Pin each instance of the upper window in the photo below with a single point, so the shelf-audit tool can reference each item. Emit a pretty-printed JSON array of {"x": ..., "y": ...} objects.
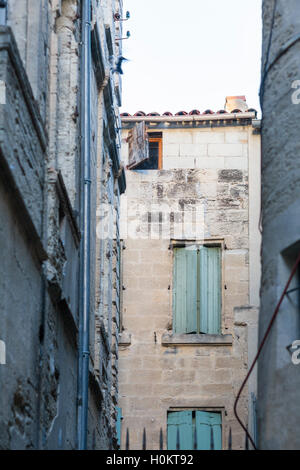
[
  {"x": 154, "y": 161},
  {"x": 145, "y": 149},
  {"x": 192, "y": 429},
  {"x": 197, "y": 289}
]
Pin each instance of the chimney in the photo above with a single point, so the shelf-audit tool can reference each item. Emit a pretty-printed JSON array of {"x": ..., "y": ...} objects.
[{"x": 236, "y": 103}]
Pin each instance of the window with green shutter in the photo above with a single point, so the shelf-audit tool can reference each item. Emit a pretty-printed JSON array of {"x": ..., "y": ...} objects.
[
  {"x": 194, "y": 429},
  {"x": 197, "y": 289}
]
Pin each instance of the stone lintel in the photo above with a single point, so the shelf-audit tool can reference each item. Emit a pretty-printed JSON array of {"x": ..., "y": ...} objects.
[{"x": 196, "y": 339}]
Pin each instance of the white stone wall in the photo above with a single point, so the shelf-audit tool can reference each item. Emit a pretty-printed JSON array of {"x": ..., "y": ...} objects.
[
  {"x": 206, "y": 149},
  {"x": 207, "y": 168}
]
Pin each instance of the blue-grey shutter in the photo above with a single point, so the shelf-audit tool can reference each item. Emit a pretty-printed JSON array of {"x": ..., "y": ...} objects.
[
  {"x": 205, "y": 421},
  {"x": 179, "y": 294},
  {"x": 182, "y": 421},
  {"x": 138, "y": 145},
  {"x": 191, "y": 289},
  {"x": 210, "y": 290},
  {"x": 185, "y": 290},
  {"x": 118, "y": 425}
]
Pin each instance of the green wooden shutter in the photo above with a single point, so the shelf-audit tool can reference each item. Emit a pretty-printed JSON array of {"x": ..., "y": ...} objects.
[
  {"x": 118, "y": 425},
  {"x": 204, "y": 422},
  {"x": 185, "y": 290},
  {"x": 210, "y": 290},
  {"x": 183, "y": 421},
  {"x": 191, "y": 289},
  {"x": 179, "y": 294}
]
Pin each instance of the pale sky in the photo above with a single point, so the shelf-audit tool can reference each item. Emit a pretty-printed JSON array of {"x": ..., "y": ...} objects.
[{"x": 190, "y": 54}]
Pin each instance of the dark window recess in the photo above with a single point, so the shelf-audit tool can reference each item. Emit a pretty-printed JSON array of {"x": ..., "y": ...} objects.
[{"x": 153, "y": 160}]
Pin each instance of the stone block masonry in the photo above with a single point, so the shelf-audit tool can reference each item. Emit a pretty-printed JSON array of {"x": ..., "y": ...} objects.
[
  {"x": 278, "y": 405},
  {"x": 161, "y": 371},
  {"x": 41, "y": 184}
]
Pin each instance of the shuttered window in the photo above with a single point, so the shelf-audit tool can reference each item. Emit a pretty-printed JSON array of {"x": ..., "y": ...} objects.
[
  {"x": 197, "y": 290},
  {"x": 194, "y": 429},
  {"x": 138, "y": 146}
]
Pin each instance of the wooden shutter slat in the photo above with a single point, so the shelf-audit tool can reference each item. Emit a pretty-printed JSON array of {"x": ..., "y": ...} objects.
[
  {"x": 210, "y": 290},
  {"x": 204, "y": 422},
  {"x": 216, "y": 423},
  {"x": 179, "y": 291},
  {"x": 203, "y": 290},
  {"x": 214, "y": 290},
  {"x": 138, "y": 145},
  {"x": 185, "y": 290},
  {"x": 182, "y": 420},
  {"x": 191, "y": 290}
]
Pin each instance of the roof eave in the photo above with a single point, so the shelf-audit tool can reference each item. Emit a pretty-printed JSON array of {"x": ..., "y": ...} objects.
[{"x": 194, "y": 118}]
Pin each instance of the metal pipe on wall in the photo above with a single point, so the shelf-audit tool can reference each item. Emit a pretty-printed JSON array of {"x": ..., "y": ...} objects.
[
  {"x": 3, "y": 12},
  {"x": 85, "y": 262}
]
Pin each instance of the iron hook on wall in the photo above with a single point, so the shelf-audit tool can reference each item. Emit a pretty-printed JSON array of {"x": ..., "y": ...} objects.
[
  {"x": 117, "y": 17},
  {"x": 127, "y": 37}
]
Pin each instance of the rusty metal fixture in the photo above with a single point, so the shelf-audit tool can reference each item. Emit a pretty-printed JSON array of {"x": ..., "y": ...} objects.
[{"x": 122, "y": 39}]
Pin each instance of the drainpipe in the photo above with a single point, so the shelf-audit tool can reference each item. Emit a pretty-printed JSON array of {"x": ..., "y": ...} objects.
[
  {"x": 3, "y": 12},
  {"x": 84, "y": 320}
]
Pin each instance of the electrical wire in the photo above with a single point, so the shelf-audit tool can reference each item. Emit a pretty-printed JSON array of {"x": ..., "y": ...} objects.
[
  {"x": 260, "y": 349},
  {"x": 261, "y": 92}
]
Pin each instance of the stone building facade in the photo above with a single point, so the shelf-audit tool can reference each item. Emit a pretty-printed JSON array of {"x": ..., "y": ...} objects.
[
  {"x": 278, "y": 375},
  {"x": 191, "y": 270},
  {"x": 46, "y": 278}
]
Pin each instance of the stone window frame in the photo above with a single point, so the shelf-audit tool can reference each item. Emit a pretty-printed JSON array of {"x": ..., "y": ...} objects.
[{"x": 172, "y": 339}]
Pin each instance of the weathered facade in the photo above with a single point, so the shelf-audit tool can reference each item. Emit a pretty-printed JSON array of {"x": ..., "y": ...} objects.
[
  {"x": 278, "y": 375},
  {"x": 59, "y": 164},
  {"x": 191, "y": 270}
]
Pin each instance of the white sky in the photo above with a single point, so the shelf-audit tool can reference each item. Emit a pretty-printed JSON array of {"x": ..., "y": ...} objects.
[{"x": 190, "y": 54}]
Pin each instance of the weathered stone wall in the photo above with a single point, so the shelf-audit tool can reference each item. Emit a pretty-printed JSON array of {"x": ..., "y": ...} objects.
[
  {"x": 106, "y": 238},
  {"x": 279, "y": 378},
  {"x": 20, "y": 318},
  {"x": 65, "y": 95},
  {"x": 31, "y": 23},
  {"x": 22, "y": 153},
  {"x": 41, "y": 181},
  {"x": 156, "y": 372}
]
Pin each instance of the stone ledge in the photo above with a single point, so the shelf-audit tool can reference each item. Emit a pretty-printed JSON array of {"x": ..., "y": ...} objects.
[
  {"x": 124, "y": 339},
  {"x": 194, "y": 339}
]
